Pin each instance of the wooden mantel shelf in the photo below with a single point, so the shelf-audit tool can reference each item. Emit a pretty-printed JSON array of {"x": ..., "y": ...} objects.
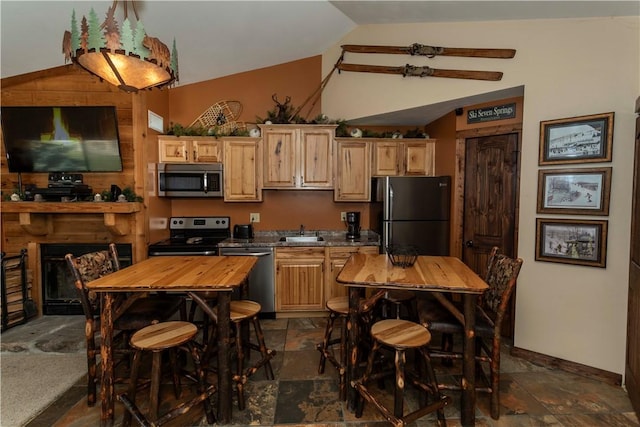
[{"x": 33, "y": 215}]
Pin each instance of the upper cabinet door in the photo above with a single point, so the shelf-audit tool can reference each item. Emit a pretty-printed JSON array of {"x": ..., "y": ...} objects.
[
  {"x": 242, "y": 170},
  {"x": 207, "y": 150},
  {"x": 316, "y": 160},
  {"x": 279, "y": 157},
  {"x": 298, "y": 156},
  {"x": 399, "y": 157},
  {"x": 386, "y": 158},
  {"x": 353, "y": 180},
  {"x": 172, "y": 150},
  {"x": 419, "y": 158}
]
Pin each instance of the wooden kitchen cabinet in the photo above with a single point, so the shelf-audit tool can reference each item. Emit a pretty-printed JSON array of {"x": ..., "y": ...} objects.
[
  {"x": 397, "y": 157},
  {"x": 337, "y": 256},
  {"x": 193, "y": 149},
  {"x": 353, "y": 176},
  {"x": 300, "y": 278},
  {"x": 242, "y": 169},
  {"x": 298, "y": 156}
]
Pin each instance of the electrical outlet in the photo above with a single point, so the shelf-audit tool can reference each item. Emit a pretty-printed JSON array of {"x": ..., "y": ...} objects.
[
  {"x": 343, "y": 216},
  {"x": 254, "y": 217}
]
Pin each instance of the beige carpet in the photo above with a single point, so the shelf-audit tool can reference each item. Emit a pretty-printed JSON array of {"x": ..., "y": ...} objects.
[
  {"x": 31, "y": 383},
  {"x": 39, "y": 361}
]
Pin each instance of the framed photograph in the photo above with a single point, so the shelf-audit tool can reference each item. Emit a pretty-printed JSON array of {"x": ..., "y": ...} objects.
[
  {"x": 584, "y": 139},
  {"x": 574, "y": 191},
  {"x": 570, "y": 241}
]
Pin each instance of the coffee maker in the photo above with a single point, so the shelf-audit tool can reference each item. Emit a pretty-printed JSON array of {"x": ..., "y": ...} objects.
[{"x": 353, "y": 225}]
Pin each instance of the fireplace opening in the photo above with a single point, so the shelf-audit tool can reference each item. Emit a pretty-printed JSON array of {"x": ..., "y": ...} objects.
[{"x": 59, "y": 292}]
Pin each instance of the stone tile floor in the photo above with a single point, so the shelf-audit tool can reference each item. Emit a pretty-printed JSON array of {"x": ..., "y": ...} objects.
[{"x": 530, "y": 396}]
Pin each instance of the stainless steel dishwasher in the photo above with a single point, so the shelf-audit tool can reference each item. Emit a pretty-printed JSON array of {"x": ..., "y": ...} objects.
[{"x": 262, "y": 286}]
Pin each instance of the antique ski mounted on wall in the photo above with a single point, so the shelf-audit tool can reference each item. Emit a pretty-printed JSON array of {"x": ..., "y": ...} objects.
[
  {"x": 412, "y": 70},
  {"x": 430, "y": 52}
]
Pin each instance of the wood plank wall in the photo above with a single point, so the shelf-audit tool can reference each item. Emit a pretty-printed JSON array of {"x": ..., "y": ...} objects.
[{"x": 72, "y": 86}]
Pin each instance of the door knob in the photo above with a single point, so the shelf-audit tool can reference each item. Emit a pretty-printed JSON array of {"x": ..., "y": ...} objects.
[{"x": 469, "y": 243}]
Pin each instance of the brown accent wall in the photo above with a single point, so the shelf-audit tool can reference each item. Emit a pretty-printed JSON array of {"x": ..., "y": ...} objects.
[
  {"x": 280, "y": 210},
  {"x": 444, "y": 131},
  {"x": 253, "y": 89}
]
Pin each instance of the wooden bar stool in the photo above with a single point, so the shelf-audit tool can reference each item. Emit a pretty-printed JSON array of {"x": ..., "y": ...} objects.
[
  {"x": 244, "y": 313},
  {"x": 401, "y": 335},
  {"x": 157, "y": 338},
  {"x": 339, "y": 309}
]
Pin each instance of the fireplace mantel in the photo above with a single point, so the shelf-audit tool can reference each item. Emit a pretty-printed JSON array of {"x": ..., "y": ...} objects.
[{"x": 35, "y": 215}]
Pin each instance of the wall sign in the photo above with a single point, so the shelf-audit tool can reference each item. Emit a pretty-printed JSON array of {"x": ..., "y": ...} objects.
[{"x": 489, "y": 114}]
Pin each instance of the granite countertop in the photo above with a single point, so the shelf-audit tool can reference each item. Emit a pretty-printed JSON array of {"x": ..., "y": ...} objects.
[{"x": 329, "y": 238}]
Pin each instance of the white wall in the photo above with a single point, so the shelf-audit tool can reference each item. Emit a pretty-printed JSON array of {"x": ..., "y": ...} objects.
[{"x": 569, "y": 67}]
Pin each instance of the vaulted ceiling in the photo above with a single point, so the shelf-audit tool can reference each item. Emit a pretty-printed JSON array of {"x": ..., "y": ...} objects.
[{"x": 219, "y": 38}]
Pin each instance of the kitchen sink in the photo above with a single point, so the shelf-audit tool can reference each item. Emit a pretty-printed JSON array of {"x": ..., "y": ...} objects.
[{"x": 301, "y": 239}]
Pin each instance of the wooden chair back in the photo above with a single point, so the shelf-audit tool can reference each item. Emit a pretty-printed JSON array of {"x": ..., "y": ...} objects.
[
  {"x": 502, "y": 274},
  {"x": 88, "y": 267}
]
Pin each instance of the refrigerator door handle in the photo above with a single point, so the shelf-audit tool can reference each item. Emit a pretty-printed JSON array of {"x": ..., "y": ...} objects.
[
  {"x": 386, "y": 235},
  {"x": 389, "y": 200}
]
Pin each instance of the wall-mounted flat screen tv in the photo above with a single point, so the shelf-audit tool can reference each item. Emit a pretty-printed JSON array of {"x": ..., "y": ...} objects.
[{"x": 61, "y": 139}]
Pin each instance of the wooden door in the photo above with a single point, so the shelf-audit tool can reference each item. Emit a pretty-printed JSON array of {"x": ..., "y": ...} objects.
[
  {"x": 632, "y": 365},
  {"x": 491, "y": 177}
]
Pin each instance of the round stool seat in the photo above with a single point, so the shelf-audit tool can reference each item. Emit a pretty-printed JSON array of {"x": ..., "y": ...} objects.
[
  {"x": 400, "y": 333},
  {"x": 338, "y": 304},
  {"x": 243, "y": 309},
  {"x": 163, "y": 335},
  {"x": 240, "y": 310}
]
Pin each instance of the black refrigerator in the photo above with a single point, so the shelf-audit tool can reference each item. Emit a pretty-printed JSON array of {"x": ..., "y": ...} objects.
[{"x": 412, "y": 211}]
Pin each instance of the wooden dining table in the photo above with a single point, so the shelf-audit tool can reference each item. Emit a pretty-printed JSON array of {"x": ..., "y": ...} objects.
[
  {"x": 183, "y": 274},
  {"x": 435, "y": 274}
]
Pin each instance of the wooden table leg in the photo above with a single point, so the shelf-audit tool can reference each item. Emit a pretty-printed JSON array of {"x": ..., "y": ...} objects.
[
  {"x": 468, "y": 398},
  {"x": 352, "y": 329},
  {"x": 107, "y": 392},
  {"x": 224, "y": 361}
]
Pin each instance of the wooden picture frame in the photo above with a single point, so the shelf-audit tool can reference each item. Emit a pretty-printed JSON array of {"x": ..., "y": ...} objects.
[
  {"x": 584, "y": 191},
  {"x": 570, "y": 241},
  {"x": 584, "y": 139}
]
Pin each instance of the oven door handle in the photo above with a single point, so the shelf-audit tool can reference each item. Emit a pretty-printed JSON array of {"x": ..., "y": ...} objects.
[
  {"x": 206, "y": 253},
  {"x": 257, "y": 254}
]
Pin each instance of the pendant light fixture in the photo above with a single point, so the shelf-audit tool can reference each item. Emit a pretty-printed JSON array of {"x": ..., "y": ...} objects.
[{"x": 124, "y": 56}]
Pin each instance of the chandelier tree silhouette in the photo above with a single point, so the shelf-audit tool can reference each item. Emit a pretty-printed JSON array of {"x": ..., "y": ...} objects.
[{"x": 127, "y": 58}]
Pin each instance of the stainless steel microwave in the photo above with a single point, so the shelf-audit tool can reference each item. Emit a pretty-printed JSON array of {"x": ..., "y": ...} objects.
[{"x": 190, "y": 179}]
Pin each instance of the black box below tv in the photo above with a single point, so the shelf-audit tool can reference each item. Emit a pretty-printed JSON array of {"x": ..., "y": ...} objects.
[{"x": 55, "y": 194}]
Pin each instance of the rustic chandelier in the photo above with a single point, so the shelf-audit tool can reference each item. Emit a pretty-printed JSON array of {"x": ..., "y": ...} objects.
[{"x": 126, "y": 57}]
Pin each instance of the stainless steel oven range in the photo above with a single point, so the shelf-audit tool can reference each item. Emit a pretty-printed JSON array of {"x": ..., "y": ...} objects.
[
  {"x": 193, "y": 236},
  {"x": 201, "y": 236}
]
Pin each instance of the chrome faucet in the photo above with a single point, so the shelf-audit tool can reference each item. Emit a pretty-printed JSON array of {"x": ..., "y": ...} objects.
[{"x": 302, "y": 229}]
